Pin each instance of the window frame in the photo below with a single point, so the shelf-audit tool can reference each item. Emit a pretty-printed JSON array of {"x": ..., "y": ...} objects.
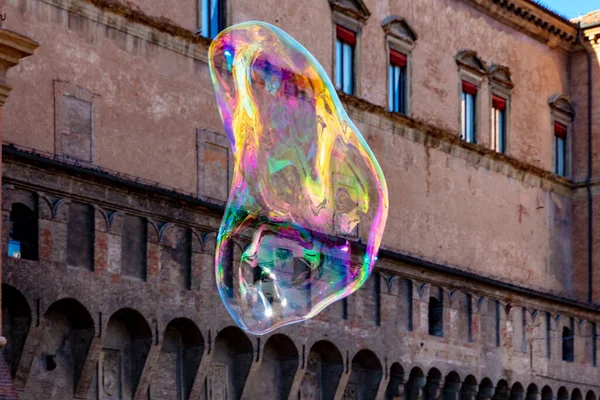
[
  {"x": 345, "y": 40},
  {"x": 397, "y": 81},
  {"x": 500, "y": 87},
  {"x": 560, "y": 133},
  {"x": 561, "y": 113},
  {"x": 499, "y": 106},
  {"x": 400, "y": 38},
  {"x": 222, "y": 18},
  {"x": 353, "y": 25},
  {"x": 469, "y": 88}
]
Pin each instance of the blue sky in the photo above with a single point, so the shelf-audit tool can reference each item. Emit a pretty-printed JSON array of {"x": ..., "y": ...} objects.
[{"x": 572, "y": 8}]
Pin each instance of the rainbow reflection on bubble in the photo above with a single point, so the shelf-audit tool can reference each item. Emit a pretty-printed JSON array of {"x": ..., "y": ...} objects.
[{"x": 304, "y": 178}]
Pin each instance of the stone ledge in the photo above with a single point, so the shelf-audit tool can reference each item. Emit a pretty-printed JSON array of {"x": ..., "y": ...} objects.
[
  {"x": 449, "y": 142},
  {"x": 532, "y": 19}
]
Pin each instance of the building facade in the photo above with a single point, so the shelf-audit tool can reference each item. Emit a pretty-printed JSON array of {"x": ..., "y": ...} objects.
[{"x": 116, "y": 169}]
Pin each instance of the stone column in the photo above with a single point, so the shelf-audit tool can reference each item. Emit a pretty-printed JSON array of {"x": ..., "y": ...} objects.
[{"x": 13, "y": 47}]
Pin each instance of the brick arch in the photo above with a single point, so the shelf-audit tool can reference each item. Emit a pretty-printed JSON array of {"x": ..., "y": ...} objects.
[
  {"x": 365, "y": 375},
  {"x": 562, "y": 393},
  {"x": 547, "y": 393},
  {"x": 324, "y": 368},
  {"x": 279, "y": 362},
  {"x": 397, "y": 377},
  {"x": 67, "y": 333},
  {"x": 590, "y": 395},
  {"x": 12, "y": 195},
  {"x": 516, "y": 391},
  {"x": 532, "y": 392},
  {"x": 502, "y": 390},
  {"x": 230, "y": 364},
  {"x": 179, "y": 359},
  {"x": 128, "y": 340},
  {"x": 16, "y": 322},
  {"x": 576, "y": 394}
]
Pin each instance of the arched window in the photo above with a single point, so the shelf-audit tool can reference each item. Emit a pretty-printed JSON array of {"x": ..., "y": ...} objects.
[
  {"x": 436, "y": 317},
  {"x": 23, "y": 235},
  {"x": 568, "y": 342}
]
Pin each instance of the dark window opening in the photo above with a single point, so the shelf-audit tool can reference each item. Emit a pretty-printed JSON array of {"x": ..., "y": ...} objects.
[
  {"x": 409, "y": 301},
  {"x": 594, "y": 346},
  {"x": 468, "y": 120},
  {"x": 560, "y": 149},
  {"x": 344, "y": 59},
  {"x": 548, "y": 336},
  {"x": 133, "y": 247},
  {"x": 345, "y": 308},
  {"x": 397, "y": 82},
  {"x": 523, "y": 329},
  {"x": 469, "y": 318},
  {"x": 80, "y": 236},
  {"x": 377, "y": 298},
  {"x": 497, "y": 323},
  {"x": 212, "y": 17},
  {"x": 23, "y": 234},
  {"x": 499, "y": 124},
  {"x": 436, "y": 317},
  {"x": 568, "y": 345}
]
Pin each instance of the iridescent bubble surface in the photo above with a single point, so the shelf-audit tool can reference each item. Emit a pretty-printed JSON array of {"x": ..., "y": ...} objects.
[{"x": 305, "y": 183}]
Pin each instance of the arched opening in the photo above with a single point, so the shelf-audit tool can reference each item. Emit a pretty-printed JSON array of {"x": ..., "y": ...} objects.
[
  {"x": 415, "y": 384},
  {"x": 562, "y": 394},
  {"x": 486, "y": 389},
  {"x": 323, "y": 371},
  {"x": 16, "y": 321},
  {"x": 590, "y": 395},
  {"x": 67, "y": 332},
  {"x": 23, "y": 232},
  {"x": 277, "y": 370},
  {"x": 517, "y": 392},
  {"x": 128, "y": 341},
  {"x": 436, "y": 317},
  {"x": 468, "y": 389},
  {"x": 230, "y": 365},
  {"x": 501, "y": 392},
  {"x": 576, "y": 394},
  {"x": 547, "y": 393},
  {"x": 182, "y": 349},
  {"x": 451, "y": 386},
  {"x": 395, "y": 387},
  {"x": 432, "y": 385},
  {"x": 568, "y": 345},
  {"x": 365, "y": 377},
  {"x": 532, "y": 392}
]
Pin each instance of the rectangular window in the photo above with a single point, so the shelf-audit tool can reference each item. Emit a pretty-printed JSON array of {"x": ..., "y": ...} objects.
[
  {"x": 594, "y": 345},
  {"x": 468, "y": 123},
  {"x": 498, "y": 124},
  {"x": 560, "y": 149},
  {"x": 524, "y": 329},
  {"x": 133, "y": 247},
  {"x": 344, "y": 59},
  {"x": 80, "y": 236},
  {"x": 548, "y": 337},
  {"x": 212, "y": 17},
  {"x": 497, "y": 323},
  {"x": 397, "y": 82}
]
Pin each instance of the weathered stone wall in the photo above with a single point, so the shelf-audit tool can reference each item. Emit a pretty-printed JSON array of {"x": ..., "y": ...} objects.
[
  {"x": 99, "y": 332},
  {"x": 153, "y": 116}
]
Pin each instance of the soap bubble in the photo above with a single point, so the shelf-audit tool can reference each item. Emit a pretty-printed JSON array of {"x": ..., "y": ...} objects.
[{"x": 303, "y": 180}]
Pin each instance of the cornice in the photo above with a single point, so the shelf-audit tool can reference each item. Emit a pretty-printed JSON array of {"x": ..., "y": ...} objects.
[
  {"x": 532, "y": 19},
  {"x": 449, "y": 142},
  {"x": 13, "y": 47}
]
